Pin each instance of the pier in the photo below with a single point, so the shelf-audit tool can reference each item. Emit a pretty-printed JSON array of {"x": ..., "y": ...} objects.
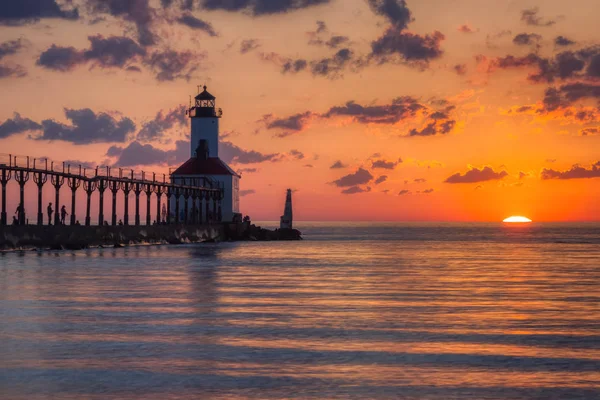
[{"x": 202, "y": 196}]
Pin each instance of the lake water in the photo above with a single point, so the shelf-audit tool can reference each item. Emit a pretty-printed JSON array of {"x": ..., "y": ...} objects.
[{"x": 355, "y": 311}]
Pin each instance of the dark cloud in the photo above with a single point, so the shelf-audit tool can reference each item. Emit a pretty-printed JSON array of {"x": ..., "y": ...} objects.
[
  {"x": 248, "y": 45},
  {"x": 308, "y": 166},
  {"x": 381, "y": 179},
  {"x": 337, "y": 165},
  {"x": 383, "y": 164},
  {"x": 88, "y": 127},
  {"x": 563, "y": 41},
  {"x": 565, "y": 65},
  {"x": 400, "y": 108},
  {"x": 288, "y": 125},
  {"x": 10, "y": 47},
  {"x": 19, "y": 12},
  {"x": 426, "y": 191},
  {"x": 466, "y": 29},
  {"x": 137, "y": 154},
  {"x": 332, "y": 66},
  {"x": 420, "y": 180},
  {"x": 460, "y": 69},
  {"x": 60, "y": 58},
  {"x": 230, "y": 153},
  {"x": 294, "y": 66},
  {"x": 576, "y": 172},
  {"x": 527, "y": 39},
  {"x": 316, "y": 38},
  {"x": 298, "y": 155},
  {"x": 247, "y": 192},
  {"x": 589, "y": 131},
  {"x": 190, "y": 21},
  {"x": 162, "y": 122},
  {"x": 17, "y": 124},
  {"x": 261, "y": 7},
  {"x": 356, "y": 189},
  {"x": 477, "y": 175},
  {"x": 83, "y": 164},
  {"x": 169, "y": 64},
  {"x": 404, "y": 192},
  {"x": 110, "y": 52},
  {"x": 530, "y": 17},
  {"x": 395, "y": 11},
  {"x": 399, "y": 46},
  {"x": 247, "y": 170},
  {"x": 360, "y": 177},
  {"x": 12, "y": 71},
  {"x": 568, "y": 94},
  {"x": 113, "y": 51},
  {"x": 437, "y": 123},
  {"x": 138, "y": 12},
  {"x": 336, "y": 41}
]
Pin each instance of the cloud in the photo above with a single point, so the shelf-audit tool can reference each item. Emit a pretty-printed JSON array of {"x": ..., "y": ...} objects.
[
  {"x": 460, "y": 69},
  {"x": 563, "y": 41},
  {"x": 383, "y": 164},
  {"x": 156, "y": 128},
  {"x": 381, "y": 179},
  {"x": 437, "y": 123},
  {"x": 527, "y": 39},
  {"x": 169, "y": 64},
  {"x": 426, "y": 191},
  {"x": 337, "y": 165},
  {"x": 332, "y": 66},
  {"x": 332, "y": 41},
  {"x": 19, "y": 12},
  {"x": 396, "y": 45},
  {"x": 289, "y": 125},
  {"x": 231, "y": 153},
  {"x": 247, "y": 192},
  {"x": 190, "y": 21},
  {"x": 261, "y": 7},
  {"x": 16, "y": 125},
  {"x": 590, "y": 131},
  {"x": 87, "y": 127},
  {"x": 247, "y": 170},
  {"x": 530, "y": 17},
  {"x": 466, "y": 29},
  {"x": 137, "y": 154},
  {"x": 248, "y": 45},
  {"x": 10, "y": 47},
  {"x": 138, "y": 12},
  {"x": 400, "y": 108},
  {"x": 420, "y": 180},
  {"x": 61, "y": 59},
  {"x": 360, "y": 177},
  {"x": 477, "y": 175},
  {"x": 395, "y": 11},
  {"x": 404, "y": 192},
  {"x": 576, "y": 172},
  {"x": 355, "y": 190},
  {"x": 298, "y": 155},
  {"x": 12, "y": 71},
  {"x": 308, "y": 166}
]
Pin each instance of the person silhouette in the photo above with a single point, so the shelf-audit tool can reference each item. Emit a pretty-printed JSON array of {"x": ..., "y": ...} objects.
[
  {"x": 120, "y": 223},
  {"x": 50, "y": 211},
  {"x": 63, "y": 214}
]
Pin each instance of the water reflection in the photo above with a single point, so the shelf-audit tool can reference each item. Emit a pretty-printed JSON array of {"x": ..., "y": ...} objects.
[{"x": 382, "y": 318}]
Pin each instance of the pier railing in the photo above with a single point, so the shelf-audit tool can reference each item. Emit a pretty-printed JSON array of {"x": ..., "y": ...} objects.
[{"x": 201, "y": 198}]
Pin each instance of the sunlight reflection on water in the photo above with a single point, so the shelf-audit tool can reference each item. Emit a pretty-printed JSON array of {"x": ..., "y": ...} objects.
[{"x": 389, "y": 311}]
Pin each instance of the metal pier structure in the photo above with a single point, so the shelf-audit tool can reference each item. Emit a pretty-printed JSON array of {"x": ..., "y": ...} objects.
[{"x": 202, "y": 196}]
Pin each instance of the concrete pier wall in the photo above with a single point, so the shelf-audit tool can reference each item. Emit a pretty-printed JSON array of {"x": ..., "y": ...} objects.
[{"x": 78, "y": 237}]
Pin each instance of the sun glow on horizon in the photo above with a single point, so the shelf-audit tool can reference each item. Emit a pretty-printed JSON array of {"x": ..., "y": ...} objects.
[{"x": 517, "y": 220}]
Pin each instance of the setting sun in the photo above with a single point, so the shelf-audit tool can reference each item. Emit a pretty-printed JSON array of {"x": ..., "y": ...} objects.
[{"x": 517, "y": 219}]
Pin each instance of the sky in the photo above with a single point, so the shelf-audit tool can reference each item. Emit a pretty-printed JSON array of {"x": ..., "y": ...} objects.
[{"x": 386, "y": 110}]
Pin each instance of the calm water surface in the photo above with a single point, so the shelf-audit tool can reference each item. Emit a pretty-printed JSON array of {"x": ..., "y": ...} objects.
[{"x": 355, "y": 311}]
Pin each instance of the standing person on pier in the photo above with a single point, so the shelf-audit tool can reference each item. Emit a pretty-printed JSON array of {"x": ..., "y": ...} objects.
[
  {"x": 63, "y": 215},
  {"x": 50, "y": 211}
]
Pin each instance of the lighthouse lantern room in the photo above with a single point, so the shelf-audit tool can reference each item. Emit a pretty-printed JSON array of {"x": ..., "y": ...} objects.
[{"x": 204, "y": 159}]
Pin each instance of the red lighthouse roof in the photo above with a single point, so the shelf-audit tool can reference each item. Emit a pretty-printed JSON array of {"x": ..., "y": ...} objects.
[{"x": 208, "y": 166}]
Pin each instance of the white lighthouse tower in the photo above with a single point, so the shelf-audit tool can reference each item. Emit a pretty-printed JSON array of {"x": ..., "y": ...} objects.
[{"x": 204, "y": 159}]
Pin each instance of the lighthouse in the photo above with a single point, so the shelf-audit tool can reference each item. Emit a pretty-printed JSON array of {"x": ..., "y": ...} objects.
[
  {"x": 286, "y": 220},
  {"x": 204, "y": 159}
]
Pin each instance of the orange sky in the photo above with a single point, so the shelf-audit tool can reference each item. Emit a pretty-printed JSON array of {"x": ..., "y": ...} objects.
[{"x": 519, "y": 124}]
